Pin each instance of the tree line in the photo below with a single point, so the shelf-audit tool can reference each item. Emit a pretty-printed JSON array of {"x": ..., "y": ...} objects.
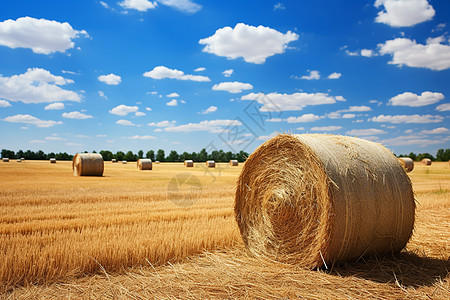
[
  {"x": 441, "y": 155},
  {"x": 160, "y": 155}
]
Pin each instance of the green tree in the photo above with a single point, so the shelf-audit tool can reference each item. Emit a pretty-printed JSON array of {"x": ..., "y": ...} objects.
[
  {"x": 413, "y": 156},
  {"x": 160, "y": 155},
  {"x": 7, "y": 153},
  {"x": 107, "y": 155},
  {"x": 120, "y": 155},
  {"x": 424, "y": 155},
  {"x": 203, "y": 155},
  {"x": 141, "y": 154},
  {"x": 150, "y": 154},
  {"x": 130, "y": 156},
  {"x": 443, "y": 155},
  {"x": 173, "y": 156}
]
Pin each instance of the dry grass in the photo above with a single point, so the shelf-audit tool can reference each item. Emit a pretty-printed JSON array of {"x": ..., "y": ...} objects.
[{"x": 120, "y": 237}]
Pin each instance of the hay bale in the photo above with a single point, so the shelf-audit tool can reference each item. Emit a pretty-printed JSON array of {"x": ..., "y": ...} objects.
[
  {"x": 157, "y": 162},
  {"x": 113, "y": 160},
  {"x": 124, "y": 162},
  {"x": 407, "y": 163},
  {"x": 87, "y": 164},
  {"x": 5, "y": 159},
  {"x": 53, "y": 160},
  {"x": 188, "y": 163},
  {"x": 144, "y": 164},
  {"x": 211, "y": 164},
  {"x": 22, "y": 159},
  {"x": 426, "y": 161},
  {"x": 19, "y": 160},
  {"x": 316, "y": 199},
  {"x": 234, "y": 163}
]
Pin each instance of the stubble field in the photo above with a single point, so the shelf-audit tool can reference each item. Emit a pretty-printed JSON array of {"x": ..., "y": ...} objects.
[{"x": 170, "y": 233}]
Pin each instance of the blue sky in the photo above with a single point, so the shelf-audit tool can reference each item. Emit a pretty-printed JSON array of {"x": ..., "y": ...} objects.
[{"x": 184, "y": 75}]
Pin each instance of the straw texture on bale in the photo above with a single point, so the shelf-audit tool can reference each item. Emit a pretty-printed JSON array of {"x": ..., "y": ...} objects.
[
  {"x": 234, "y": 162},
  {"x": 317, "y": 199},
  {"x": 211, "y": 164},
  {"x": 426, "y": 161},
  {"x": 113, "y": 160},
  {"x": 144, "y": 164},
  {"x": 5, "y": 159},
  {"x": 407, "y": 163},
  {"x": 53, "y": 160},
  {"x": 188, "y": 163},
  {"x": 87, "y": 164}
]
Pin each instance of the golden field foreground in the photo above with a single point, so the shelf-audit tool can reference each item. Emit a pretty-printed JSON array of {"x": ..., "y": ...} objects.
[{"x": 170, "y": 233}]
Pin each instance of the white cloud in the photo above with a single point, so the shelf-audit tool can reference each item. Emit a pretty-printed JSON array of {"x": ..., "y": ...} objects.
[
  {"x": 413, "y": 100},
  {"x": 228, "y": 73},
  {"x": 162, "y": 123},
  {"x": 54, "y": 106},
  {"x": 348, "y": 116},
  {"x": 162, "y": 72},
  {"x": 443, "y": 107},
  {"x": 433, "y": 55},
  {"x": 200, "y": 69},
  {"x": 173, "y": 102},
  {"x": 439, "y": 130},
  {"x": 267, "y": 137},
  {"x": 141, "y": 137},
  {"x": 213, "y": 126},
  {"x": 232, "y": 87},
  {"x": 125, "y": 123},
  {"x": 36, "y": 86},
  {"x": 4, "y": 103},
  {"x": 102, "y": 94},
  {"x": 209, "y": 110},
  {"x": 410, "y": 140},
  {"x": 404, "y": 13},
  {"x": 326, "y": 128},
  {"x": 148, "y": 109},
  {"x": 365, "y": 132},
  {"x": 40, "y": 35},
  {"x": 313, "y": 75},
  {"x": 104, "y": 4},
  {"x": 69, "y": 72},
  {"x": 339, "y": 114},
  {"x": 29, "y": 119},
  {"x": 139, "y": 114},
  {"x": 367, "y": 53},
  {"x": 301, "y": 119},
  {"x": 76, "y": 115},
  {"x": 37, "y": 142},
  {"x": 356, "y": 109},
  {"x": 185, "y": 6},
  {"x": 254, "y": 44},
  {"x": 334, "y": 75},
  {"x": 82, "y": 136},
  {"x": 279, "y": 6},
  {"x": 285, "y": 102},
  {"x": 173, "y": 95},
  {"x": 140, "y": 5},
  {"x": 54, "y": 138},
  {"x": 110, "y": 79},
  {"x": 123, "y": 110},
  {"x": 421, "y": 119}
]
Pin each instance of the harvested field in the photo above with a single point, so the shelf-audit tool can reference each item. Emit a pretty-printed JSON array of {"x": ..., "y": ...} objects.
[{"x": 124, "y": 236}]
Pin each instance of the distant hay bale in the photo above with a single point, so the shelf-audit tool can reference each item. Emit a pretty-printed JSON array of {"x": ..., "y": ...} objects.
[
  {"x": 426, "y": 161},
  {"x": 144, "y": 164},
  {"x": 317, "y": 199},
  {"x": 211, "y": 164},
  {"x": 113, "y": 160},
  {"x": 22, "y": 159},
  {"x": 124, "y": 162},
  {"x": 53, "y": 160},
  {"x": 234, "y": 163},
  {"x": 407, "y": 163},
  {"x": 5, "y": 159},
  {"x": 157, "y": 162},
  {"x": 188, "y": 163},
  {"x": 19, "y": 160},
  {"x": 87, "y": 164}
]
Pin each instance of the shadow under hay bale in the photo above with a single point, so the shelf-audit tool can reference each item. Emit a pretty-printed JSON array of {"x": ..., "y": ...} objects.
[
  {"x": 87, "y": 164},
  {"x": 144, "y": 164},
  {"x": 317, "y": 199}
]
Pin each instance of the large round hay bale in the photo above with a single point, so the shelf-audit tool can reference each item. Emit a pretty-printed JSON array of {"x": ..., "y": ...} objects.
[
  {"x": 315, "y": 199},
  {"x": 407, "y": 163},
  {"x": 144, "y": 164},
  {"x": 5, "y": 159},
  {"x": 188, "y": 163},
  {"x": 211, "y": 164},
  {"x": 426, "y": 161},
  {"x": 53, "y": 160},
  {"x": 87, "y": 164},
  {"x": 234, "y": 163}
]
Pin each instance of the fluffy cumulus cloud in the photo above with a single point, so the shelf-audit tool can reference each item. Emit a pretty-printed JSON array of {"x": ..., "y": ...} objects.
[
  {"x": 76, "y": 115},
  {"x": 200, "y": 69},
  {"x": 40, "y": 35},
  {"x": 125, "y": 123},
  {"x": 213, "y": 126},
  {"x": 4, "y": 103},
  {"x": 404, "y": 13},
  {"x": 313, "y": 75},
  {"x": 173, "y": 95},
  {"x": 228, "y": 73},
  {"x": 232, "y": 87},
  {"x": 285, "y": 102},
  {"x": 348, "y": 113},
  {"x": 326, "y": 128},
  {"x": 141, "y": 137},
  {"x": 365, "y": 132},
  {"x": 414, "y": 100},
  {"x": 172, "y": 102},
  {"x": 162, "y": 72},
  {"x": 29, "y": 119},
  {"x": 162, "y": 123},
  {"x": 123, "y": 110},
  {"x": 334, "y": 75},
  {"x": 110, "y": 79},
  {"x": 209, "y": 110},
  {"x": 140, "y": 5},
  {"x": 419, "y": 119},
  {"x": 306, "y": 118},
  {"x": 443, "y": 107},
  {"x": 439, "y": 130},
  {"x": 434, "y": 55},
  {"x": 408, "y": 140},
  {"x": 367, "y": 53},
  {"x": 36, "y": 85},
  {"x": 253, "y": 44},
  {"x": 55, "y": 106},
  {"x": 185, "y": 6}
]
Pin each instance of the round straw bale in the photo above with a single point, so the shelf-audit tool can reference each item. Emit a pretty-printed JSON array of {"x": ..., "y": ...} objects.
[
  {"x": 188, "y": 163},
  {"x": 5, "y": 159},
  {"x": 53, "y": 160},
  {"x": 211, "y": 164},
  {"x": 407, "y": 163},
  {"x": 124, "y": 162},
  {"x": 157, "y": 162},
  {"x": 19, "y": 160},
  {"x": 314, "y": 199},
  {"x": 113, "y": 160},
  {"x": 87, "y": 164},
  {"x": 234, "y": 162},
  {"x": 144, "y": 164},
  {"x": 426, "y": 161},
  {"x": 22, "y": 158}
]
